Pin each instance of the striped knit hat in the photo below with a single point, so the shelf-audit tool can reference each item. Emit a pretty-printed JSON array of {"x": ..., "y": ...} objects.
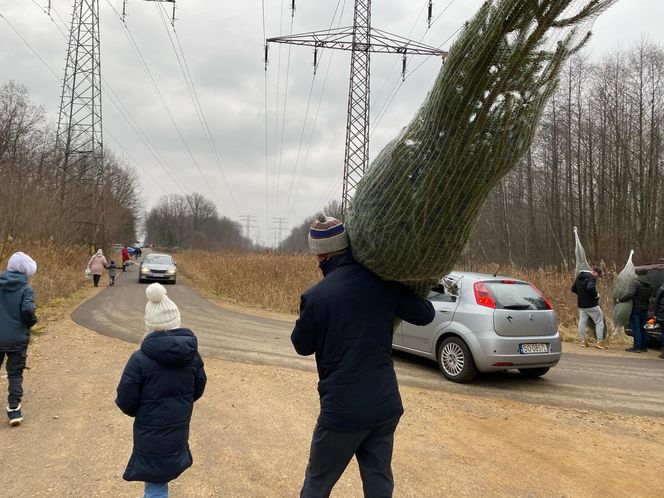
[{"x": 327, "y": 235}]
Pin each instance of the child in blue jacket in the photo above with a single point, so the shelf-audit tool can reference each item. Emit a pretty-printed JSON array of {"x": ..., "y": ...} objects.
[
  {"x": 17, "y": 316},
  {"x": 159, "y": 386}
]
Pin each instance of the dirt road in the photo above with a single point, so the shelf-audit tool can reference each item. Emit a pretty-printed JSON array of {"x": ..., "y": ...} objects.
[
  {"x": 611, "y": 381},
  {"x": 251, "y": 430}
]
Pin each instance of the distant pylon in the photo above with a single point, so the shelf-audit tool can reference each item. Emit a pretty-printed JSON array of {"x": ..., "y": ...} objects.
[
  {"x": 361, "y": 39},
  {"x": 79, "y": 136}
]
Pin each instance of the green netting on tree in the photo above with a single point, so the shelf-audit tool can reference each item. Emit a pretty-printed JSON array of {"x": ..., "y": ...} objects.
[
  {"x": 622, "y": 311},
  {"x": 580, "y": 254},
  {"x": 415, "y": 207}
]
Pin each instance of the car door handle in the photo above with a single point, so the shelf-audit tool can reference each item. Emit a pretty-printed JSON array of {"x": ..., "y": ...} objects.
[{"x": 444, "y": 311}]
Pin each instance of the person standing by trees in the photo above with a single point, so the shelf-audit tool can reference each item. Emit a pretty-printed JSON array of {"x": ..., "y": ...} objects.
[
  {"x": 585, "y": 288},
  {"x": 639, "y": 292},
  {"x": 97, "y": 265},
  {"x": 17, "y": 317},
  {"x": 347, "y": 321}
]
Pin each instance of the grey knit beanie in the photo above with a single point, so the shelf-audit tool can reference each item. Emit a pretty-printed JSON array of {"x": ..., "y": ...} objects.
[{"x": 327, "y": 235}]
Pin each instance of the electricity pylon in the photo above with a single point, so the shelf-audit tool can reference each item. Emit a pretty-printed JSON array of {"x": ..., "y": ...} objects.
[
  {"x": 79, "y": 139},
  {"x": 361, "y": 39},
  {"x": 79, "y": 136}
]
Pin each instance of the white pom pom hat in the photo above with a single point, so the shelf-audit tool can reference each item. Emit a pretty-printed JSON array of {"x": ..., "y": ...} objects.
[{"x": 160, "y": 312}]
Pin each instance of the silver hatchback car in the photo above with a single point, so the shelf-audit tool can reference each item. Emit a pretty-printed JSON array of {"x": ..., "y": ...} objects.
[{"x": 485, "y": 323}]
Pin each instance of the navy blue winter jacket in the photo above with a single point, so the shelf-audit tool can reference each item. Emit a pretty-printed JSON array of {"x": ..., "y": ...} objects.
[
  {"x": 159, "y": 386},
  {"x": 347, "y": 320},
  {"x": 17, "y": 311}
]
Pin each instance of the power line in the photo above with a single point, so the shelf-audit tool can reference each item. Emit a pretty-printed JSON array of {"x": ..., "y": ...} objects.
[
  {"x": 320, "y": 99},
  {"x": 155, "y": 87},
  {"x": 184, "y": 69},
  {"x": 127, "y": 116}
]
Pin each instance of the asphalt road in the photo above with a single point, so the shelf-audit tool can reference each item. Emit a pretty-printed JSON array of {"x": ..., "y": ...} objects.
[{"x": 606, "y": 381}]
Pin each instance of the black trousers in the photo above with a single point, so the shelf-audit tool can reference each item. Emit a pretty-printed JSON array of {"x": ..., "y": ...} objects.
[
  {"x": 95, "y": 280},
  {"x": 331, "y": 452},
  {"x": 15, "y": 366}
]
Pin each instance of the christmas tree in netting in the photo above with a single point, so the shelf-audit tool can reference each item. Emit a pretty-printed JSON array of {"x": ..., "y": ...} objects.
[
  {"x": 414, "y": 210},
  {"x": 623, "y": 311}
]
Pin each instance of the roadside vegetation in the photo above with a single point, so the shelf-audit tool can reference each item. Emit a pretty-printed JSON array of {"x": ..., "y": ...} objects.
[{"x": 275, "y": 280}]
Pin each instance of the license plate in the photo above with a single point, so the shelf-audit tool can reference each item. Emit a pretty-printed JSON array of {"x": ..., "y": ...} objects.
[{"x": 533, "y": 348}]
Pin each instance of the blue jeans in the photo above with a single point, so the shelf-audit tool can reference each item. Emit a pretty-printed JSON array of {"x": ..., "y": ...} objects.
[
  {"x": 156, "y": 490},
  {"x": 332, "y": 451},
  {"x": 639, "y": 319}
]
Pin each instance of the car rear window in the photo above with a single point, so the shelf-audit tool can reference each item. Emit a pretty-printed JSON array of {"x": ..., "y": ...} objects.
[{"x": 516, "y": 296}]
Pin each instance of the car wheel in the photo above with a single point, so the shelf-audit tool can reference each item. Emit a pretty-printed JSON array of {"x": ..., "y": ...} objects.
[
  {"x": 533, "y": 372},
  {"x": 455, "y": 360},
  {"x": 173, "y": 281}
]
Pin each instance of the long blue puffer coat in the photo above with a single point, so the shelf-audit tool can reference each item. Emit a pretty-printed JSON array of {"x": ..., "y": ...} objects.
[{"x": 158, "y": 387}]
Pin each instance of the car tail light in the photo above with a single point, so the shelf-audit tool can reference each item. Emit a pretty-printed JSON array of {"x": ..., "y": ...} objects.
[
  {"x": 482, "y": 296},
  {"x": 508, "y": 281},
  {"x": 543, "y": 296}
]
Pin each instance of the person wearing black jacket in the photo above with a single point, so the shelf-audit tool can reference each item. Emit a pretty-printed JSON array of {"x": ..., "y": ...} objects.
[
  {"x": 17, "y": 317},
  {"x": 159, "y": 386},
  {"x": 659, "y": 316},
  {"x": 585, "y": 288},
  {"x": 347, "y": 321},
  {"x": 639, "y": 292}
]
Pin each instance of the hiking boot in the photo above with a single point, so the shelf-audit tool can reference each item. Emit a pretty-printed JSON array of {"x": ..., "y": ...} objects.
[
  {"x": 661, "y": 355},
  {"x": 14, "y": 415},
  {"x": 644, "y": 350},
  {"x": 633, "y": 350},
  {"x": 583, "y": 344},
  {"x": 600, "y": 345}
]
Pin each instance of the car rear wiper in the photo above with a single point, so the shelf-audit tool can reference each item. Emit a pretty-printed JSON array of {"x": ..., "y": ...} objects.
[{"x": 517, "y": 307}]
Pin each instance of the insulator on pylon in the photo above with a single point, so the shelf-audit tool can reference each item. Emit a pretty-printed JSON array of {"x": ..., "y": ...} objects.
[
  {"x": 430, "y": 12},
  {"x": 265, "y": 57},
  {"x": 403, "y": 67},
  {"x": 315, "y": 59},
  {"x": 293, "y": 8},
  {"x": 124, "y": 10},
  {"x": 173, "y": 18}
]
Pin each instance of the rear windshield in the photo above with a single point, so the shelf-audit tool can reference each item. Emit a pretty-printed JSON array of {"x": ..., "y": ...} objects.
[{"x": 516, "y": 296}]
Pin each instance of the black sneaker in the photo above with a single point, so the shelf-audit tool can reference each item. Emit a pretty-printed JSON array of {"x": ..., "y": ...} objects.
[
  {"x": 661, "y": 355},
  {"x": 14, "y": 415},
  {"x": 633, "y": 350},
  {"x": 644, "y": 350}
]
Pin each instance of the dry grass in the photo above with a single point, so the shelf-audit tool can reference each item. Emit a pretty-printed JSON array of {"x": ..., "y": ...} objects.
[
  {"x": 59, "y": 271},
  {"x": 274, "y": 281},
  {"x": 270, "y": 281}
]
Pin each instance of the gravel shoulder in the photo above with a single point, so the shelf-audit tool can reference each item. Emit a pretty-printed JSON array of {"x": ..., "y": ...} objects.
[{"x": 250, "y": 435}]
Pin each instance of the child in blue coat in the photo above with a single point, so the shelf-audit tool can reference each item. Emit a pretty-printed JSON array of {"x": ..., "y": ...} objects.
[
  {"x": 159, "y": 386},
  {"x": 17, "y": 316}
]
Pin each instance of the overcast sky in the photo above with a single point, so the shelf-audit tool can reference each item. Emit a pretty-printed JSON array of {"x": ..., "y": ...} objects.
[{"x": 298, "y": 168}]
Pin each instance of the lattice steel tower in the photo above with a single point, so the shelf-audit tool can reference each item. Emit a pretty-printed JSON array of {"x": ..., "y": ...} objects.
[
  {"x": 361, "y": 39},
  {"x": 79, "y": 136}
]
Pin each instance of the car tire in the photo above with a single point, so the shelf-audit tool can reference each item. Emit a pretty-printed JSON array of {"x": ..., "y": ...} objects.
[
  {"x": 455, "y": 360},
  {"x": 173, "y": 281},
  {"x": 533, "y": 372},
  {"x": 141, "y": 280}
]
